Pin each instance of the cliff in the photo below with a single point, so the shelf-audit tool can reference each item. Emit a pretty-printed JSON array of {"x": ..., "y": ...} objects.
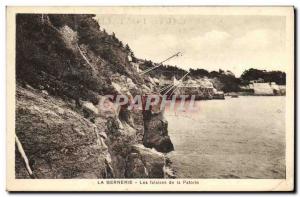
[
  {"x": 64, "y": 65},
  {"x": 265, "y": 89}
]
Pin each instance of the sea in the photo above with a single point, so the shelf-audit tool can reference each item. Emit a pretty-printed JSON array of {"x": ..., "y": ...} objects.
[{"x": 240, "y": 137}]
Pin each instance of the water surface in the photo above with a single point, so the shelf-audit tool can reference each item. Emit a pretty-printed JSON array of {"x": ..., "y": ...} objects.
[{"x": 233, "y": 138}]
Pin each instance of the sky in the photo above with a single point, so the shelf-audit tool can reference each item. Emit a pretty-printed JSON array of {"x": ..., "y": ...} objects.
[{"x": 211, "y": 42}]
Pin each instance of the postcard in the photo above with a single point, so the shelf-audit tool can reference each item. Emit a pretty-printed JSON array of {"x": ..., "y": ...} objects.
[{"x": 162, "y": 98}]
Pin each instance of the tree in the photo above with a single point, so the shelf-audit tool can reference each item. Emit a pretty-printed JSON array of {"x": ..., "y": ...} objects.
[
  {"x": 199, "y": 73},
  {"x": 252, "y": 74},
  {"x": 278, "y": 77}
]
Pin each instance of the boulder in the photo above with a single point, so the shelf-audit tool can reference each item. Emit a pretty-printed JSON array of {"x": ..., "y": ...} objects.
[
  {"x": 156, "y": 81},
  {"x": 90, "y": 108},
  {"x": 130, "y": 83},
  {"x": 143, "y": 162}
]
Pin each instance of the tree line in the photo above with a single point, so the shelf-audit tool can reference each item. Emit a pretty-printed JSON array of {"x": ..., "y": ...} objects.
[{"x": 230, "y": 83}]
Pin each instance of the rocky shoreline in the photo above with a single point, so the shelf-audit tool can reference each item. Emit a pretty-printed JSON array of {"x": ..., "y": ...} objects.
[{"x": 60, "y": 125}]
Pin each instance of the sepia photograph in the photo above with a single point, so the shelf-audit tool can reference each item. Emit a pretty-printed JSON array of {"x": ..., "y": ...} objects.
[{"x": 150, "y": 98}]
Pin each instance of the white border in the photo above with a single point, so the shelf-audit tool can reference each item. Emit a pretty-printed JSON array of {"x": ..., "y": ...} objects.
[{"x": 62, "y": 2}]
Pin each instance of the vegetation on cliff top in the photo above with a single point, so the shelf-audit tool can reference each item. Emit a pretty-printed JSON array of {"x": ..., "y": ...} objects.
[{"x": 80, "y": 69}]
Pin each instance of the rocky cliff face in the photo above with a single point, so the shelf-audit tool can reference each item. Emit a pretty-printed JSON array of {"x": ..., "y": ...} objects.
[{"x": 64, "y": 66}]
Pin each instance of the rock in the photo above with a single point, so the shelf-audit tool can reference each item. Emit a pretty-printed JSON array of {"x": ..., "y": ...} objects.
[
  {"x": 169, "y": 173},
  {"x": 103, "y": 135},
  {"x": 44, "y": 92},
  {"x": 135, "y": 66},
  {"x": 117, "y": 87},
  {"x": 156, "y": 81},
  {"x": 143, "y": 162},
  {"x": 150, "y": 79},
  {"x": 137, "y": 116},
  {"x": 126, "y": 116},
  {"x": 69, "y": 37},
  {"x": 120, "y": 137},
  {"x": 102, "y": 144},
  {"x": 218, "y": 94},
  {"x": 90, "y": 108},
  {"x": 146, "y": 89},
  {"x": 156, "y": 132},
  {"x": 57, "y": 146},
  {"x": 123, "y": 85},
  {"x": 122, "y": 89},
  {"x": 60, "y": 111},
  {"x": 130, "y": 84},
  {"x": 129, "y": 58},
  {"x": 135, "y": 167}
]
